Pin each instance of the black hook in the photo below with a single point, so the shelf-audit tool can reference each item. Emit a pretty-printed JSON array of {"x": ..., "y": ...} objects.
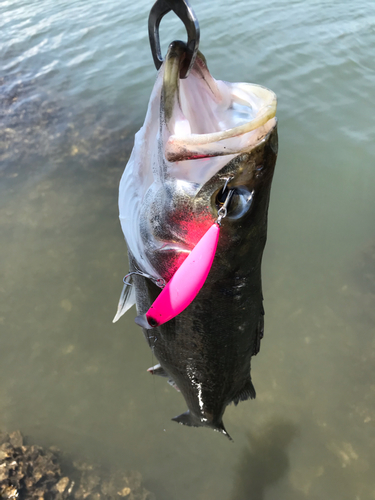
[{"x": 184, "y": 11}]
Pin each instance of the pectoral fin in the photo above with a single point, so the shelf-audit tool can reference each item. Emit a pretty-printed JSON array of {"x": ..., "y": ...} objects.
[{"x": 127, "y": 299}]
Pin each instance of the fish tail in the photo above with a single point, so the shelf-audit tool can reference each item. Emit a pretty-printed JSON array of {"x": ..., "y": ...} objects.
[
  {"x": 188, "y": 419},
  {"x": 220, "y": 428}
]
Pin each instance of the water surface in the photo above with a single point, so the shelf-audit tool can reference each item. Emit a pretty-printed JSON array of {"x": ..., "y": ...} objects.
[{"x": 74, "y": 83}]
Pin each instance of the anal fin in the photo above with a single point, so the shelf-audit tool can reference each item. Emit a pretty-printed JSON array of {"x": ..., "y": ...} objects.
[{"x": 186, "y": 419}]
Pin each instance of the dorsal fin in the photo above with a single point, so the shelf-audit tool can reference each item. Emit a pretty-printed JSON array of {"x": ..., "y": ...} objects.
[{"x": 247, "y": 392}]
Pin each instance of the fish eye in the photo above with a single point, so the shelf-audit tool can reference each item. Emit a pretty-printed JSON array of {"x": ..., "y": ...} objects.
[{"x": 239, "y": 204}]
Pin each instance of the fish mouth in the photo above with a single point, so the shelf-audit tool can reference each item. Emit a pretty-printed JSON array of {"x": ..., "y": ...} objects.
[{"x": 205, "y": 117}]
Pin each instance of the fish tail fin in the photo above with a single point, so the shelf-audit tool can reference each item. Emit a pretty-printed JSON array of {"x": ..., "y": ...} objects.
[
  {"x": 220, "y": 428},
  {"x": 188, "y": 419}
]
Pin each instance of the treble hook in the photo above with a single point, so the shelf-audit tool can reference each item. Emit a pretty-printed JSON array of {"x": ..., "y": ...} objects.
[
  {"x": 222, "y": 212},
  {"x": 184, "y": 11},
  {"x": 160, "y": 282}
]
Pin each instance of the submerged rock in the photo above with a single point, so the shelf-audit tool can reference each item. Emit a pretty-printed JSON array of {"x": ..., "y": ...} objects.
[{"x": 32, "y": 472}]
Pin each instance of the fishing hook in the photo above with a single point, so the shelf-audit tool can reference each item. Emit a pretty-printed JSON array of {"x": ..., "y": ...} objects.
[
  {"x": 160, "y": 282},
  {"x": 184, "y": 11},
  {"x": 222, "y": 212}
]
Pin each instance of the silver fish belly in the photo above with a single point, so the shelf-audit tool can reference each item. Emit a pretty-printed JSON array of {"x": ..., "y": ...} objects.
[{"x": 200, "y": 136}]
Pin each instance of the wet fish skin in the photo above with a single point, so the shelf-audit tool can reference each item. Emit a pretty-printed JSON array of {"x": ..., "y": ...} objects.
[
  {"x": 207, "y": 349},
  {"x": 168, "y": 200}
]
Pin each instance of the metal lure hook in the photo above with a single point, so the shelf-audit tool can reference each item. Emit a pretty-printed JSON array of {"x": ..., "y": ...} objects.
[
  {"x": 184, "y": 11},
  {"x": 160, "y": 282},
  {"x": 222, "y": 212}
]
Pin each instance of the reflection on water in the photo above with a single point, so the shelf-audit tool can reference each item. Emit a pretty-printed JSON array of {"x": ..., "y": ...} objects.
[
  {"x": 73, "y": 90},
  {"x": 266, "y": 468},
  {"x": 39, "y": 126},
  {"x": 264, "y": 461}
]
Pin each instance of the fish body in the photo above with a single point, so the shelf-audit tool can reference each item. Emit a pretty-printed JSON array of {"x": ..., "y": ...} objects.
[{"x": 201, "y": 138}]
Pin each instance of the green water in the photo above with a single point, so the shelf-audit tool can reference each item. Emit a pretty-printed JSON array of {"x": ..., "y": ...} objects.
[{"x": 75, "y": 78}]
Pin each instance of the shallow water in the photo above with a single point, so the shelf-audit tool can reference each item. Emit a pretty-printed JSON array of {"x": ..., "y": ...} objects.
[{"x": 74, "y": 83}]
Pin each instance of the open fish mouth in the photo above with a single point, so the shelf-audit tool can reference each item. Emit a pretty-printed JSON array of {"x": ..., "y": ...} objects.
[{"x": 207, "y": 117}]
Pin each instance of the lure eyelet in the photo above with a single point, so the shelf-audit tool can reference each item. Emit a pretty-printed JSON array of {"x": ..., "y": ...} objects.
[
  {"x": 239, "y": 203},
  {"x": 152, "y": 322}
]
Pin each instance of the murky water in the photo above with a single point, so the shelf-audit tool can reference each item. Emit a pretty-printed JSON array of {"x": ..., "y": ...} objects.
[{"x": 74, "y": 83}]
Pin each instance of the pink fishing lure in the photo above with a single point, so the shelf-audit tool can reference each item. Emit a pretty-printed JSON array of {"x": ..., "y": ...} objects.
[{"x": 185, "y": 284}]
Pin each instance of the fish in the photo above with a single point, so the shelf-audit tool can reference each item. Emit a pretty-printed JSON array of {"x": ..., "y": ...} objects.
[{"x": 202, "y": 139}]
